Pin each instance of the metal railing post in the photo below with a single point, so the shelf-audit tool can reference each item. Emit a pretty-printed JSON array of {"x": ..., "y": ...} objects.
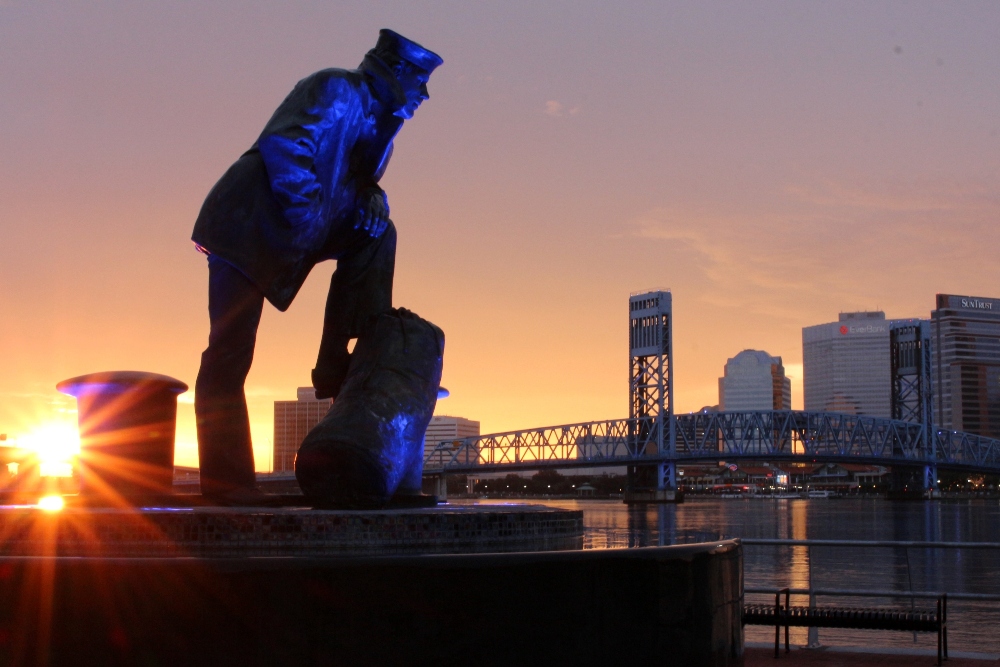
[
  {"x": 813, "y": 636},
  {"x": 909, "y": 584}
]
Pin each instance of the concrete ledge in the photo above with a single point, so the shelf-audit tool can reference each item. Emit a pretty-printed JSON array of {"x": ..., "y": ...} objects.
[{"x": 678, "y": 605}]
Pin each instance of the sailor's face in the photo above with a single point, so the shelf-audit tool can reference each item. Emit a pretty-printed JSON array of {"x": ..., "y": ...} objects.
[{"x": 414, "y": 83}]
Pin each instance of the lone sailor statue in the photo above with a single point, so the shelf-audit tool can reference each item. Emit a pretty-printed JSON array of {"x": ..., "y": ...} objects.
[{"x": 305, "y": 192}]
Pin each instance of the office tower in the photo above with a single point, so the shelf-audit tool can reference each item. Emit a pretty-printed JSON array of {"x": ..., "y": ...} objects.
[
  {"x": 292, "y": 422},
  {"x": 754, "y": 380},
  {"x": 445, "y": 429},
  {"x": 965, "y": 335},
  {"x": 846, "y": 365}
]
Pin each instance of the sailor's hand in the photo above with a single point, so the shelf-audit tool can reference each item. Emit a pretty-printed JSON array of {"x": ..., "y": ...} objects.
[{"x": 373, "y": 212}]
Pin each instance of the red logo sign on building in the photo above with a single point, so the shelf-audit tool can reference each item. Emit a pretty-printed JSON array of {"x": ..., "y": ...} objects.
[{"x": 843, "y": 331}]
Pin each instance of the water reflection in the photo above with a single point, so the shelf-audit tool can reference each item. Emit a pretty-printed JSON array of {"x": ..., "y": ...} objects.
[
  {"x": 799, "y": 563},
  {"x": 611, "y": 524},
  {"x": 647, "y": 526}
]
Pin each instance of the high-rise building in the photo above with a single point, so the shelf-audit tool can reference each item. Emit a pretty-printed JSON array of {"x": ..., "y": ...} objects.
[
  {"x": 846, "y": 365},
  {"x": 965, "y": 335},
  {"x": 444, "y": 428},
  {"x": 292, "y": 422},
  {"x": 754, "y": 380}
]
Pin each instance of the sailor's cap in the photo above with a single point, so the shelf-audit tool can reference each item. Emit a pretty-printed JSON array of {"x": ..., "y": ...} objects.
[{"x": 406, "y": 49}]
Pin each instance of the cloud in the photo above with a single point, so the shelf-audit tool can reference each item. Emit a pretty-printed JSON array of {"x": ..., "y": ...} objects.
[
  {"x": 729, "y": 255},
  {"x": 826, "y": 242},
  {"x": 937, "y": 196},
  {"x": 557, "y": 110}
]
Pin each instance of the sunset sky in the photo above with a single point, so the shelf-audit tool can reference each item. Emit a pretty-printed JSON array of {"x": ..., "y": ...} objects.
[{"x": 772, "y": 163}]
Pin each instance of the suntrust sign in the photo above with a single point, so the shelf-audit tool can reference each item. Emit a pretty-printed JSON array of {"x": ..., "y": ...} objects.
[
  {"x": 978, "y": 304},
  {"x": 969, "y": 303}
]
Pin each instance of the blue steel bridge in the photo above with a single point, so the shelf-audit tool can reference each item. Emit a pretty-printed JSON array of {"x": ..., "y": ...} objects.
[
  {"x": 779, "y": 435},
  {"x": 652, "y": 441}
]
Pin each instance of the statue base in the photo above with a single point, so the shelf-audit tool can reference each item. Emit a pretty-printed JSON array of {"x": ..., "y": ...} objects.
[
  {"x": 292, "y": 586},
  {"x": 165, "y": 530}
]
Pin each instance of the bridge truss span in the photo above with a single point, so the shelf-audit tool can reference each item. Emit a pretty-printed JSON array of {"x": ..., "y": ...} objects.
[
  {"x": 969, "y": 450},
  {"x": 611, "y": 442},
  {"x": 709, "y": 436},
  {"x": 783, "y": 434}
]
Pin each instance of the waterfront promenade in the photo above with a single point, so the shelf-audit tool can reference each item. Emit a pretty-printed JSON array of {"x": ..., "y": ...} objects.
[{"x": 764, "y": 657}]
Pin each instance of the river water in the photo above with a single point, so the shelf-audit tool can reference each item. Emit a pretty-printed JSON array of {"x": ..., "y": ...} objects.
[{"x": 971, "y": 625}]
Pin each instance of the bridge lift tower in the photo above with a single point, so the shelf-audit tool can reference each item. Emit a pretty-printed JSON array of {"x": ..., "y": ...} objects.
[
  {"x": 651, "y": 398},
  {"x": 913, "y": 399}
]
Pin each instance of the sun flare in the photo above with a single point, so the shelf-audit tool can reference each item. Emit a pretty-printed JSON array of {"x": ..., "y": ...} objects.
[
  {"x": 51, "y": 503},
  {"x": 56, "y": 445}
]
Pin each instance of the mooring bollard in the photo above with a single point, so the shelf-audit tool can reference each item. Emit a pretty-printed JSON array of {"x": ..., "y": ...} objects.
[{"x": 127, "y": 421}]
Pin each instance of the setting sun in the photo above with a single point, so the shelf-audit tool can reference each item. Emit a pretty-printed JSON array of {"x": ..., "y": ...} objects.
[
  {"x": 56, "y": 445},
  {"x": 51, "y": 503}
]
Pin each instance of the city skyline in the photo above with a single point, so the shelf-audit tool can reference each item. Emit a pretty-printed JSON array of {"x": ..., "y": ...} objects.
[{"x": 772, "y": 165}]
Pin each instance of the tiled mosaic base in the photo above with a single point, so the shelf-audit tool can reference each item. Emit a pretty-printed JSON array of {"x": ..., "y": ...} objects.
[{"x": 238, "y": 532}]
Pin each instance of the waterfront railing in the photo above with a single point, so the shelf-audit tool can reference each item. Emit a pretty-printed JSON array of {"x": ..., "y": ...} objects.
[{"x": 813, "y": 592}]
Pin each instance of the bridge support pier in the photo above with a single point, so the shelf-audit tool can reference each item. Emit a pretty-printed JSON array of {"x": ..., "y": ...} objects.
[
  {"x": 930, "y": 479},
  {"x": 436, "y": 485},
  {"x": 912, "y": 482},
  {"x": 655, "y": 483}
]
